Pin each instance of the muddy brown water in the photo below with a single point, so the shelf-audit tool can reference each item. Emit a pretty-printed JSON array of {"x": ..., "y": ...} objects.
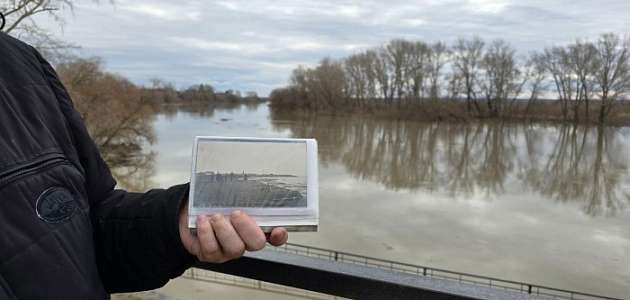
[{"x": 540, "y": 203}]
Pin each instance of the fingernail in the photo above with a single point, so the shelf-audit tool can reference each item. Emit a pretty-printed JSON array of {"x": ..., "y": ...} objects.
[
  {"x": 200, "y": 218},
  {"x": 236, "y": 213},
  {"x": 216, "y": 217}
]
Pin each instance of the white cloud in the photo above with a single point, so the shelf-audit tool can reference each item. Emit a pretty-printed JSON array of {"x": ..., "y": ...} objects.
[
  {"x": 192, "y": 42},
  {"x": 348, "y": 11},
  {"x": 164, "y": 12},
  {"x": 309, "y": 46},
  {"x": 229, "y": 5},
  {"x": 414, "y": 22},
  {"x": 488, "y": 6}
]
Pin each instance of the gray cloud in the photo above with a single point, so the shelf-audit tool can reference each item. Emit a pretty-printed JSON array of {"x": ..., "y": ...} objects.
[{"x": 253, "y": 45}]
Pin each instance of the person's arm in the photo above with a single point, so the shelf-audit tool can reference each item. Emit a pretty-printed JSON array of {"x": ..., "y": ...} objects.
[
  {"x": 142, "y": 240},
  {"x": 136, "y": 235}
]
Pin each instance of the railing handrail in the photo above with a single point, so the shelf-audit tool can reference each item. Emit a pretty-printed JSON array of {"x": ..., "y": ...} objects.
[
  {"x": 429, "y": 272},
  {"x": 220, "y": 278}
]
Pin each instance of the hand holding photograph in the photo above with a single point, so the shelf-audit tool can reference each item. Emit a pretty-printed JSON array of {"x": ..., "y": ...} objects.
[{"x": 273, "y": 180}]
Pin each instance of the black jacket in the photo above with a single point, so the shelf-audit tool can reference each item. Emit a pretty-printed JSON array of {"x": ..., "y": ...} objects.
[{"x": 65, "y": 232}]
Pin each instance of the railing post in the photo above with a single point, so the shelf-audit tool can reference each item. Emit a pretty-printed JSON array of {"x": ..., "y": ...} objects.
[
  {"x": 424, "y": 271},
  {"x": 529, "y": 288},
  {"x": 336, "y": 256}
]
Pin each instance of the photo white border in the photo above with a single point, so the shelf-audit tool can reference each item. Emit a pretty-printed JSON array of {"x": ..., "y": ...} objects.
[{"x": 266, "y": 216}]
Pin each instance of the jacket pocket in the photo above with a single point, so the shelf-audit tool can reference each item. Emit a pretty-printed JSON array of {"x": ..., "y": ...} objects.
[{"x": 34, "y": 166}]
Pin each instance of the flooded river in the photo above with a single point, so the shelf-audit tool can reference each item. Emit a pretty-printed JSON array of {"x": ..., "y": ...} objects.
[{"x": 541, "y": 203}]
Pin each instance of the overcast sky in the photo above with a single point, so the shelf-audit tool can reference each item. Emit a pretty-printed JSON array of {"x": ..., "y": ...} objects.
[{"x": 253, "y": 45}]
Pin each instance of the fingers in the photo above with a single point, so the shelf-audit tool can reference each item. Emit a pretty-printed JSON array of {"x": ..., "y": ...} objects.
[
  {"x": 278, "y": 236},
  {"x": 220, "y": 239},
  {"x": 209, "y": 249},
  {"x": 251, "y": 235},
  {"x": 231, "y": 243}
]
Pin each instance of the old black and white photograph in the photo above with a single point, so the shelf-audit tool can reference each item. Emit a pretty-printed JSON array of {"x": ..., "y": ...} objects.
[{"x": 250, "y": 174}]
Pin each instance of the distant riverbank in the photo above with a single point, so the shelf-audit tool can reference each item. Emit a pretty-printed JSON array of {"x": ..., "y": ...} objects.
[{"x": 457, "y": 111}]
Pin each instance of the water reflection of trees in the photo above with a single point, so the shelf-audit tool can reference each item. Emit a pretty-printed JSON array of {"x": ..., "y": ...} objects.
[
  {"x": 569, "y": 163},
  {"x": 584, "y": 163}
]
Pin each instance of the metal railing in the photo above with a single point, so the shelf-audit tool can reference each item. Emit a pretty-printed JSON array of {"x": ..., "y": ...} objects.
[
  {"x": 220, "y": 278},
  {"x": 419, "y": 270}
]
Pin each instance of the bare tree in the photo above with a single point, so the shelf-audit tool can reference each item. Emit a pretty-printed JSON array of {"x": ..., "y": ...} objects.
[
  {"x": 383, "y": 71},
  {"x": 501, "y": 79},
  {"x": 438, "y": 57},
  {"x": 398, "y": 57},
  {"x": 455, "y": 85},
  {"x": 556, "y": 62},
  {"x": 118, "y": 115},
  {"x": 534, "y": 71},
  {"x": 19, "y": 12},
  {"x": 416, "y": 70},
  {"x": 369, "y": 63},
  {"x": 356, "y": 81},
  {"x": 325, "y": 86},
  {"x": 21, "y": 24},
  {"x": 298, "y": 77},
  {"x": 361, "y": 76},
  {"x": 613, "y": 74},
  {"x": 467, "y": 56},
  {"x": 583, "y": 64}
]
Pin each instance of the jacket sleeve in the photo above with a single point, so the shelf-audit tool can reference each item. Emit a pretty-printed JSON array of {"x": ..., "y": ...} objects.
[{"x": 136, "y": 235}]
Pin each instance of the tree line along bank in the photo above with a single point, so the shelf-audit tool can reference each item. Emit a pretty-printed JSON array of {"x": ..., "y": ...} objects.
[{"x": 470, "y": 79}]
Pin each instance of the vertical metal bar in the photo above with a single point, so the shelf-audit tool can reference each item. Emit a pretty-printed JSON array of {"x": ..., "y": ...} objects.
[
  {"x": 336, "y": 256},
  {"x": 529, "y": 288}
]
